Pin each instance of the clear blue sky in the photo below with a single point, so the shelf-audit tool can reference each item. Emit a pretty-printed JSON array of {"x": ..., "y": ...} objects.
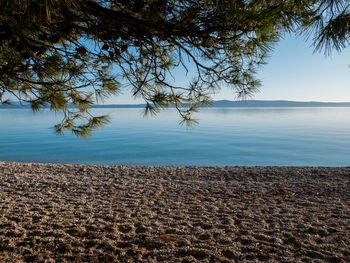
[{"x": 293, "y": 72}]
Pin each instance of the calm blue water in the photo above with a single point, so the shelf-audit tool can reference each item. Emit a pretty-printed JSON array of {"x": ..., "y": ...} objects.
[{"x": 225, "y": 136}]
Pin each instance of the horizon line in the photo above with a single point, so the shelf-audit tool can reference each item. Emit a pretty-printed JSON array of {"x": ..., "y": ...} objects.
[{"x": 241, "y": 101}]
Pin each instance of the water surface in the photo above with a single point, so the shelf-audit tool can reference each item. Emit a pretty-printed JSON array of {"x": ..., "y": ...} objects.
[{"x": 225, "y": 136}]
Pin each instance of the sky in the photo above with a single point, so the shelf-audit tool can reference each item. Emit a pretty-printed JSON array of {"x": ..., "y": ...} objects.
[
  {"x": 296, "y": 72},
  {"x": 293, "y": 72}
]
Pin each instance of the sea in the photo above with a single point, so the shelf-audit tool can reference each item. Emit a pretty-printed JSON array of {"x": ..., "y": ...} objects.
[{"x": 286, "y": 136}]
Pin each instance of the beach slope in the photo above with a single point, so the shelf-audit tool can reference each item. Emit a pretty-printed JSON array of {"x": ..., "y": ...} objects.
[{"x": 76, "y": 213}]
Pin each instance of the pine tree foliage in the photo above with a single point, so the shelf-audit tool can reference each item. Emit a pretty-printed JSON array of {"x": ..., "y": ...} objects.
[
  {"x": 330, "y": 25},
  {"x": 68, "y": 54}
]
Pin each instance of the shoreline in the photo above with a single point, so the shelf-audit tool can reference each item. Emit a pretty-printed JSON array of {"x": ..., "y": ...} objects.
[
  {"x": 103, "y": 213},
  {"x": 174, "y": 166}
]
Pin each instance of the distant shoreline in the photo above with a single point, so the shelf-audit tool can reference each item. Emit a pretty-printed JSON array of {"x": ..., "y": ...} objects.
[
  {"x": 219, "y": 104},
  {"x": 246, "y": 104}
]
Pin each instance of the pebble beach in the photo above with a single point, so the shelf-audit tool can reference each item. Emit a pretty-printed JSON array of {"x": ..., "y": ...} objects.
[{"x": 88, "y": 213}]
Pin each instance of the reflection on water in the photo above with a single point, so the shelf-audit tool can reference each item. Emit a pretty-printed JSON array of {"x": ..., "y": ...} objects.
[{"x": 225, "y": 136}]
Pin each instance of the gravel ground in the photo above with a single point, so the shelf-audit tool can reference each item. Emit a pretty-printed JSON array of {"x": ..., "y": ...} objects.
[{"x": 78, "y": 213}]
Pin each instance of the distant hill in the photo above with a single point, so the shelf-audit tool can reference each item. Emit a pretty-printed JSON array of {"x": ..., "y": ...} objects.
[
  {"x": 15, "y": 105},
  {"x": 277, "y": 103},
  {"x": 220, "y": 104},
  {"x": 248, "y": 103}
]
